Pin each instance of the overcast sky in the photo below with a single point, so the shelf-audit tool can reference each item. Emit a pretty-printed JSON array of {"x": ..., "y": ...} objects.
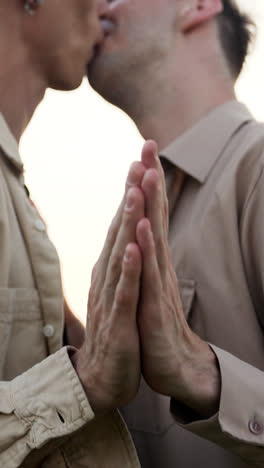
[{"x": 77, "y": 151}]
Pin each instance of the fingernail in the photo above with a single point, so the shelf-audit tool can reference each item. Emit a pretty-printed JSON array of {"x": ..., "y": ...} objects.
[{"x": 127, "y": 257}]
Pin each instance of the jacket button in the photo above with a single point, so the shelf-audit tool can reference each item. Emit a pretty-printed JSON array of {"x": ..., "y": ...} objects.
[
  {"x": 48, "y": 330},
  {"x": 255, "y": 427}
]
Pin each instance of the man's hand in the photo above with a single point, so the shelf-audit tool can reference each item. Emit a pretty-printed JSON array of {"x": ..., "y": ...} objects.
[
  {"x": 108, "y": 363},
  {"x": 175, "y": 361}
]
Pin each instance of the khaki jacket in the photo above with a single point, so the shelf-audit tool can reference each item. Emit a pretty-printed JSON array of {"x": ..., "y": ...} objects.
[{"x": 45, "y": 417}]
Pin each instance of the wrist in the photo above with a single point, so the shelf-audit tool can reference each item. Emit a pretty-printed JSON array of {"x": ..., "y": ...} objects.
[
  {"x": 97, "y": 401},
  {"x": 201, "y": 382}
]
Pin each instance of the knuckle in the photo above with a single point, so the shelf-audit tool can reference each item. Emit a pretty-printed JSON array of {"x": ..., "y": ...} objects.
[
  {"x": 108, "y": 293},
  {"x": 91, "y": 299},
  {"x": 122, "y": 298},
  {"x": 112, "y": 231},
  {"x": 129, "y": 221},
  {"x": 135, "y": 173},
  {"x": 115, "y": 265},
  {"x": 128, "y": 228},
  {"x": 113, "y": 273}
]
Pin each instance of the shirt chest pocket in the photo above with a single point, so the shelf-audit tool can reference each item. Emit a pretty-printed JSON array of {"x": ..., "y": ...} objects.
[
  {"x": 150, "y": 412},
  {"x": 22, "y": 343}
]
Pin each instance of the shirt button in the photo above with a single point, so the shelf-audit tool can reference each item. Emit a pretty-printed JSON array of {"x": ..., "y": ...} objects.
[
  {"x": 255, "y": 427},
  {"x": 40, "y": 226},
  {"x": 48, "y": 330}
]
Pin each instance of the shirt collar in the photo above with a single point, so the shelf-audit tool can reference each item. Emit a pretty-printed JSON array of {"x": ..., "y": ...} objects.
[
  {"x": 9, "y": 145},
  {"x": 197, "y": 150}
]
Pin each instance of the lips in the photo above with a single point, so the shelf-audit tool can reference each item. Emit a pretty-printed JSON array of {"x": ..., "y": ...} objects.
[{"x": 108, "y": 26}]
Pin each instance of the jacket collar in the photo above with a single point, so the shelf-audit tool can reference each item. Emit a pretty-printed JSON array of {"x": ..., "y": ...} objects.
[
  {"x": 197, "y": 150},
  {"x": 9, "y": 145}
]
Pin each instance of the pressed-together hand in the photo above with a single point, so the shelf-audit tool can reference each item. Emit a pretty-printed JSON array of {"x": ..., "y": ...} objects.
[
  {"x": 108, "y": 363},
  {"x": 175, "y": 361},
  {"x": 135, "y": 320}
]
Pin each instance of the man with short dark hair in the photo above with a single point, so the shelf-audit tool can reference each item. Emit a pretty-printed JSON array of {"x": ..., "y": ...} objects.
[{"x": 171, "y": 65}]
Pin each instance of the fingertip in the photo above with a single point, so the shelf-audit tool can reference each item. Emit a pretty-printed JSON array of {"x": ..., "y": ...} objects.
[
  {"x": 151, "y": 145},
  {"x": 132, "y": 255},
  {"x": 143, "y": 231},
  {"x": 134, "y": 198},
  {"x": 149, "y": 154},
  {"x": 144, "y": 223},
  {"x": 135, "y": 174},
  {"x": 150, "y": 181}
]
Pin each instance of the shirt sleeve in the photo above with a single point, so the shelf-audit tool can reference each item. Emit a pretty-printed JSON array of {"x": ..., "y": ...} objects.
[
  {"x": 47, "y": 402},
  {"x": 239, "y": 424}
]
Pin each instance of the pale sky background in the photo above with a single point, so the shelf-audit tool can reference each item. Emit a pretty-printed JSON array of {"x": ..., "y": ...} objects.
[{"x": 77, "y": 151}]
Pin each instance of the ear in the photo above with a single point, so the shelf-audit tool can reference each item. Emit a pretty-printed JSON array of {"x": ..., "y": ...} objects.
[{"x": 198, "y": 12}]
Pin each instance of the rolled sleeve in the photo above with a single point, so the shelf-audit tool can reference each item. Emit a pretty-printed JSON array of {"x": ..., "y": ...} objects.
[{"x": 44, "y": 403}]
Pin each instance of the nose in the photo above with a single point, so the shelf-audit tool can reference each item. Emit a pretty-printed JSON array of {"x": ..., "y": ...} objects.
[{"x": 102, "y": 7}]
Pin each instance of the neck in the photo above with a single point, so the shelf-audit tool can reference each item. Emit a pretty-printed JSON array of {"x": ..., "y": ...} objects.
[
  {"x": 179, "y": 97},
  {"x": 19, "y": 98},
  {"x": 21, "y": 85},
  {"x": 178, "y": 111}
]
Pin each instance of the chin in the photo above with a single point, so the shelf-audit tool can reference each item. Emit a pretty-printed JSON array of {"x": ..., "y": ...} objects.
[
  {"x": 66, "y": 85},
  {"x": 67, "y": 81}
]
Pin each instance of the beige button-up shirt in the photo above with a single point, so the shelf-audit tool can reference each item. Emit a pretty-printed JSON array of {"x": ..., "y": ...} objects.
[
  {"x": 42, "y": 402},
  {"x": 217, "y": 243}
]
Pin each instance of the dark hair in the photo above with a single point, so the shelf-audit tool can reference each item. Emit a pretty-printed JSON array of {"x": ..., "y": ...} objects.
[{"x": 236, "y": 31}]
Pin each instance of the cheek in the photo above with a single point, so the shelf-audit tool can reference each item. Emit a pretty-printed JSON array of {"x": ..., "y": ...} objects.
[{"x": 89, "y": 5}]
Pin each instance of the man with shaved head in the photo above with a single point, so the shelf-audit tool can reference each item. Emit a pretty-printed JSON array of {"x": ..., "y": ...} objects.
[{"x": 172, "y": 65}]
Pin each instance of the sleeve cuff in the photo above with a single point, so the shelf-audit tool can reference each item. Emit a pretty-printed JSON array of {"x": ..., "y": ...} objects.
[
  {"x": 49, "y": 399},
  {"x": 241, "y": 413},
  {"x": 239, "y": 424}
]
